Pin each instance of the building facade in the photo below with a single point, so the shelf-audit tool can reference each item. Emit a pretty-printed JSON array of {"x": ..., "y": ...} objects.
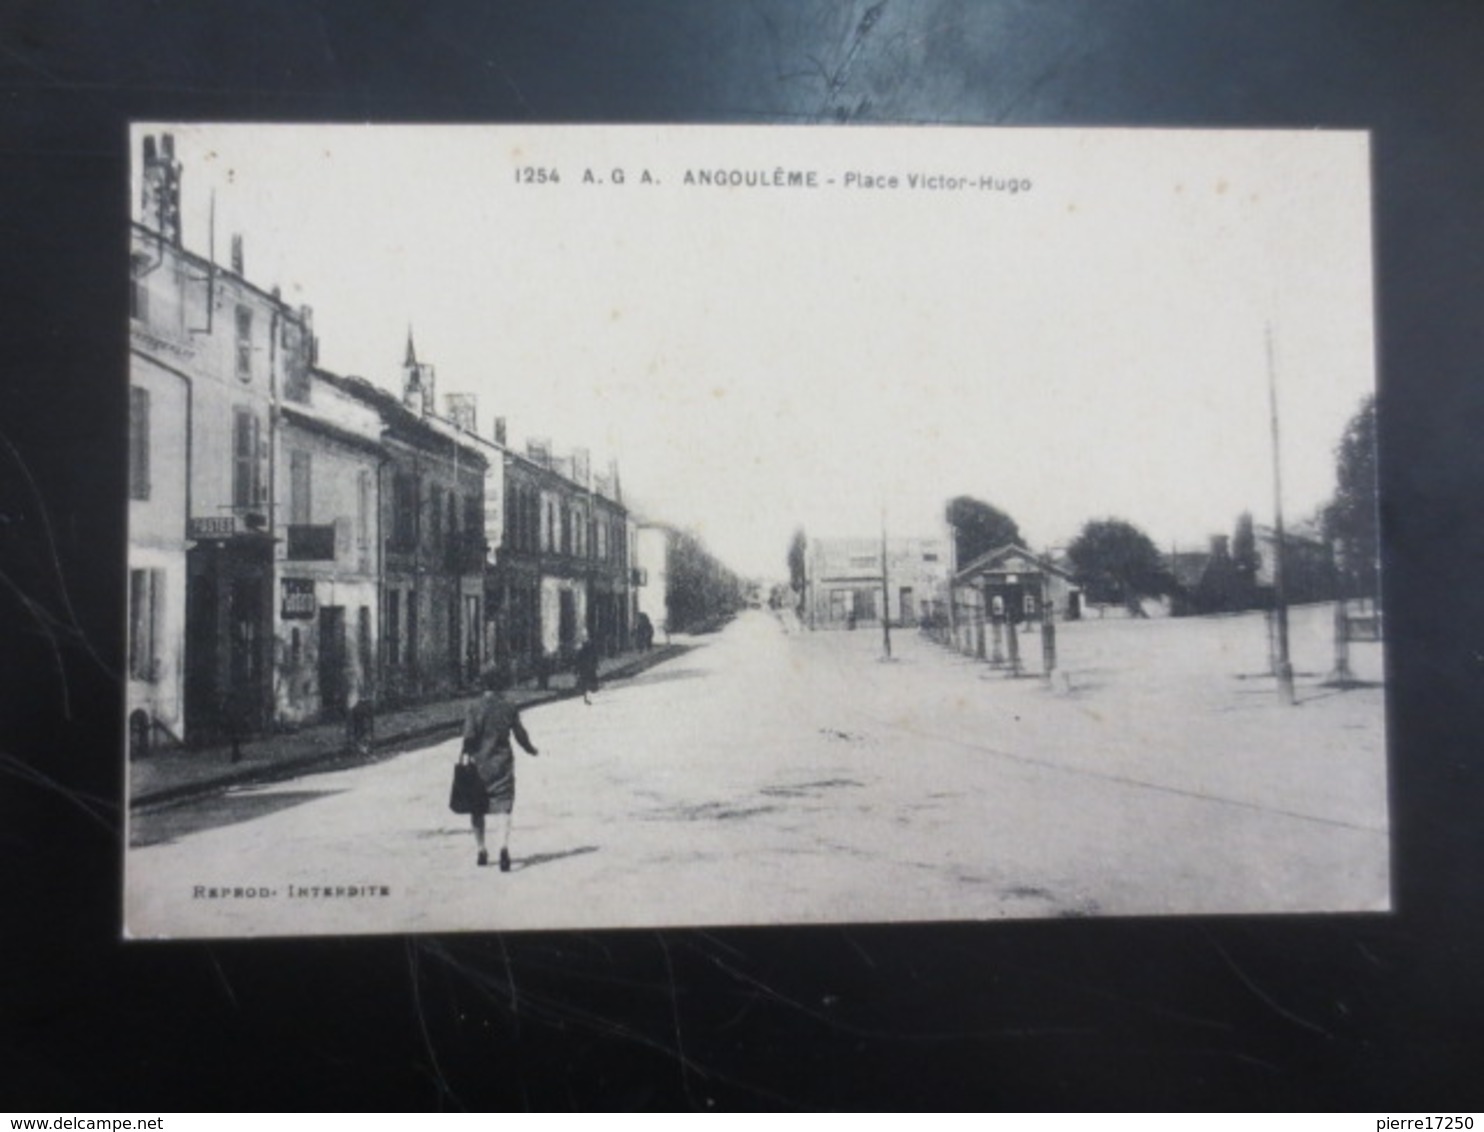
[
  {"x": 301, "y": 542},
  {"x": 845, "y": 584},
  {"x": 562, "y": 574},
  {"x": 430, "y": 515},
  {"x": 209, "y": 352},
  {"x": 327, "y": 552},
  {"x": 1007, "y": 585}
]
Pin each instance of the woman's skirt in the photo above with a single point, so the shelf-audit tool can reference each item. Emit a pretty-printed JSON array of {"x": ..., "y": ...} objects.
[{"x": 497, "y": 771}]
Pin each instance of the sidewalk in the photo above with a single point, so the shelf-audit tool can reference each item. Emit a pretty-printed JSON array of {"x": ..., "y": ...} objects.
[{"x": 170, "y": 775}]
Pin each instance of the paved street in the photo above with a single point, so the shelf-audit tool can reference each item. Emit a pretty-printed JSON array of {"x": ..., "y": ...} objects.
[{"x": 769, "y": 776}]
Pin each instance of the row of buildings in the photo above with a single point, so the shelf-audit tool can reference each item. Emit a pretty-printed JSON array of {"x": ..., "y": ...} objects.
[
  {"x": 916, "y": 582},
  {"x": 301, "y": 541}
]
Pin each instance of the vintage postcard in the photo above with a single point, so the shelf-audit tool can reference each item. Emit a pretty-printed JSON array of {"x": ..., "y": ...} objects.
[{"x": 541, "y": 527}]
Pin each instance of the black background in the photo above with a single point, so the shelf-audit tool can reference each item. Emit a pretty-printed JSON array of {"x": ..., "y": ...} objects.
[{"x": 1365, "y": 1012}]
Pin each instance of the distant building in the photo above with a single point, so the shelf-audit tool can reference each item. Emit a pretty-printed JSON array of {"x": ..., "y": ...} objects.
[
  {"x": 1310, "y": 572},
  {"x": 1009, "y": 583},
  {"x": 845, "y": 586},
  {"x": 1208, "y": 581},
  {"x": 652, "y": 571},
  {"x": 563, "y": 567},
  {"x": 328, "y": 553},
  {"x": 432, "y": 525}
]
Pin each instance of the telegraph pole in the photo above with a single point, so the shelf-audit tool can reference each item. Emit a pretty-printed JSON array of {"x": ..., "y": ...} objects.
[
  {"x": 885, "y": 592},
  {"x": 1284, "y": 667}
]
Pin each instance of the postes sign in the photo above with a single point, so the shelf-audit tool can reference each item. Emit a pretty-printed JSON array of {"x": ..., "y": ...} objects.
[{"x": 298, "y": 599}]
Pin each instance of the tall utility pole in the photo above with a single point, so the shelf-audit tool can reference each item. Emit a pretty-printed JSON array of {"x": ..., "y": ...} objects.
[
  {"x": 885, "y": 592},
  {"x": 1284, "y": 667}
]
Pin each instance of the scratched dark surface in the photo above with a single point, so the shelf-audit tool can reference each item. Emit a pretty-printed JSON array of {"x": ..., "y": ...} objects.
[{"x": 1367, "y": 1012}]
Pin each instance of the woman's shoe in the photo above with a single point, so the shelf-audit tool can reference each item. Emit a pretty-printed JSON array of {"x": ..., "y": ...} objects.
[
  {"x": 484, "y": 858},
  {"x": 504, "y": 861}
]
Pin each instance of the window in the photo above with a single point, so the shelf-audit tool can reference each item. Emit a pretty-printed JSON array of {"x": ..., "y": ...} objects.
[
  {"x": 474, "y": 520},
  {"x": 138, "y": 443},
  {"x": 138, "y": 290},
  {"x": 435, "y": 514},
  {"x": 146, "y": 600},
  {"x": 404, "y": 512},
  {"x": 930, "y": 557},
  {"x": 244, "y": 343},
  {"x": 300, "y": 509},
  {"x": 247, "y": 489},
  {"x": 363, "y": 512}
]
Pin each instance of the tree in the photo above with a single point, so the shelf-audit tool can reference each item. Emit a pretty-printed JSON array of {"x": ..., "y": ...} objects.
[
  {"x": 798, "y": 570},
  {"x": 1246, "y": 562},
  {"x": 1351, "y": 521},
  {"x": 1114, "y": 559},
  {"x": 701, "y": 593},
  {"x": 978, "y": 527}
]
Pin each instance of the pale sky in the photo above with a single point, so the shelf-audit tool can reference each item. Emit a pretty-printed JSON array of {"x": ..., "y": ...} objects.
[{"x": 759, "y": 359}]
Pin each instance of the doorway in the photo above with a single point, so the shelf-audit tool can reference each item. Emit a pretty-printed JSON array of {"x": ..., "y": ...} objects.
[{"x": 332, "y": 683}]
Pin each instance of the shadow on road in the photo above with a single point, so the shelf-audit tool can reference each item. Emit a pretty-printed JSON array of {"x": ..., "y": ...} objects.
[
  {"x": 662, "y": 675},
  {"x": 162, "y": 826},
  {"x": 535, "y": 859}
]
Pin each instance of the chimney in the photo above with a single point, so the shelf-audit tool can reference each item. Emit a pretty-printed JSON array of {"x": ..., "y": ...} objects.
[
  {"x": 581, "y": 466},
  {"x": 500, "y": 431},
  {"x": 462, "y": 411},
  {"x": 311, "y": 343},
  {"x": 160, "y": 188},
  {"x": 237, "y": 253},
  {"x": 1219, "y": 546}
]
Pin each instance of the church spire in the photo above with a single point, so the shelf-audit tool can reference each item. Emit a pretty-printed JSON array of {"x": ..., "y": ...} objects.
[{"x": 411, "y": 351}]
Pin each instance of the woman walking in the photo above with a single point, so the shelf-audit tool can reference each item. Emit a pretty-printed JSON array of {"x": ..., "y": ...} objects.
[
  {"x": 587, "y": 670},
  {"x": 488, "y": 726}
]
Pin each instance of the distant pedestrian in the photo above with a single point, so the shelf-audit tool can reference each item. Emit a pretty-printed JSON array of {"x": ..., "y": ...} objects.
[
  {"x": 234, "y": 717},
  {"x": 587, "y": 670},
  {"x": 646, "y": 633},
  {"x": 488, "y": 726},
  {"x": 360, "y": 726}
]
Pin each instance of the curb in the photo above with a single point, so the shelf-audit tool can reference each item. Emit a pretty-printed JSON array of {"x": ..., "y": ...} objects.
[{"x": 289, "y": 767}]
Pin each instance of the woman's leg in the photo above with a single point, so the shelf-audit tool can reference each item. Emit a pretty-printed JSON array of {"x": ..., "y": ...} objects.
[
  {"x": 505, "y": 821},
  {"x": 477, "y": 821}
]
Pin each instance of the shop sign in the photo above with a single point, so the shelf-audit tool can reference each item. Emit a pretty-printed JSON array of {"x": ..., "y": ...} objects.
[
  {"x": 212, "y": 526},
  {"x": 298, "y": 599}
]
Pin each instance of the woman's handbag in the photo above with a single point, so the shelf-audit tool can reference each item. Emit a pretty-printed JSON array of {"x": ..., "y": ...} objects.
[{"x": 467, "y": 795}]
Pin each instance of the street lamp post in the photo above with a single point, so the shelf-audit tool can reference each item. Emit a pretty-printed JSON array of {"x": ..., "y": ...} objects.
[
  {"x": 885, "y": 593},
  {"x": 1284, "y": 666}
]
